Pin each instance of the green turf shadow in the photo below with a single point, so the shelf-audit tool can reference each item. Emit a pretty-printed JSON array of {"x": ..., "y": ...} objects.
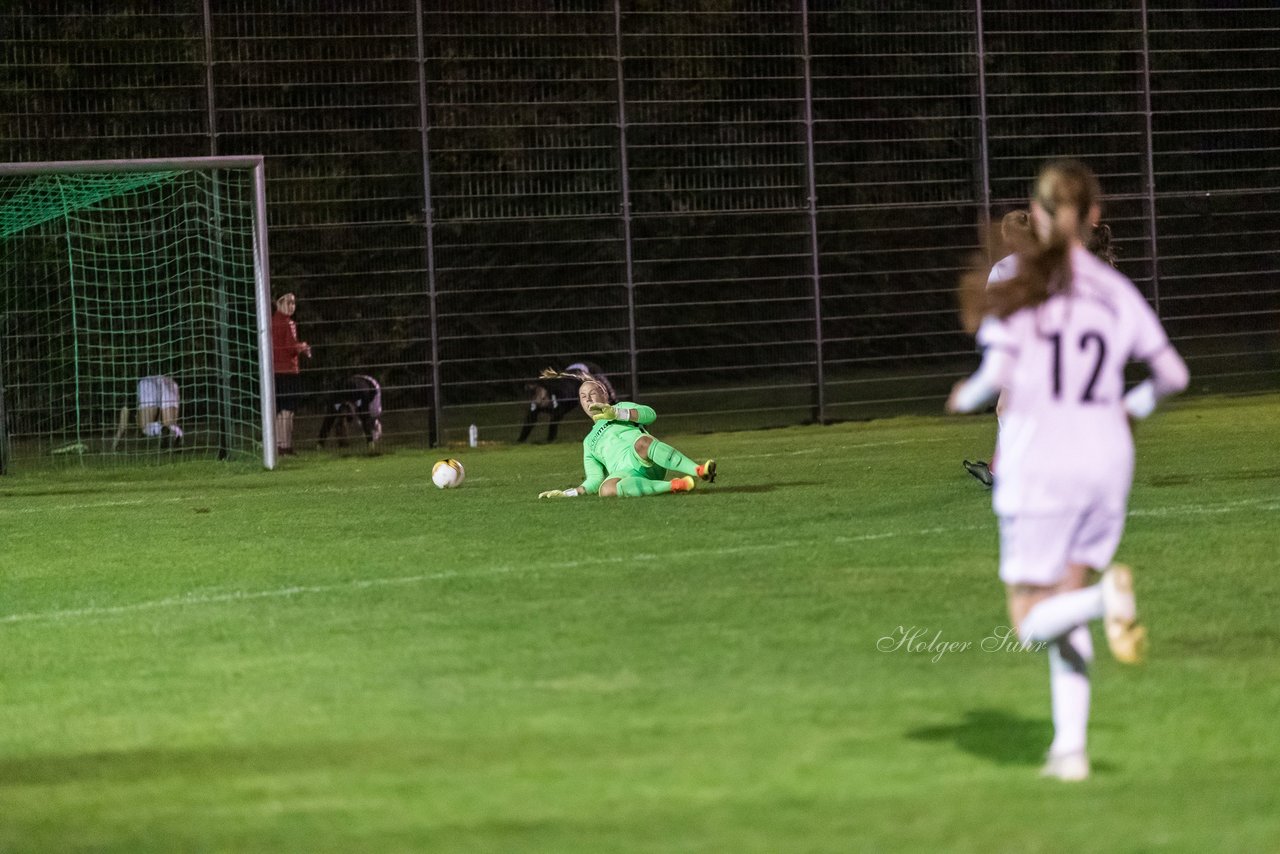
[{"x": 994, "y": 735}]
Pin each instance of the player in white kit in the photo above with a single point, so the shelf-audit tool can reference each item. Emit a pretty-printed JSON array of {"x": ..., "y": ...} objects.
[
  {"x": 158, "y": 402},
  {"x": 1015, "y": 234},
  {"x": 1056, "y": 338}
]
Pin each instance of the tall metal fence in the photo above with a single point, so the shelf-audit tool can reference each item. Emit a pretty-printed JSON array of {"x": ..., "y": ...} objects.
[{"x": 748, "y": 212}]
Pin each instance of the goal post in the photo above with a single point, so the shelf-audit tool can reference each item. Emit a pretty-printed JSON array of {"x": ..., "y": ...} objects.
[{"x": 135, "y": 312}]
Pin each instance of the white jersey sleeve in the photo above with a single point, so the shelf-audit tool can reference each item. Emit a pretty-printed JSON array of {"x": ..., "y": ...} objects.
[
  {"x": 994, "y": 334},
  {"x": 999, "y": 353},
  {"x": 1149, "y": 337},
  {"x": 1003, "y": 270}
]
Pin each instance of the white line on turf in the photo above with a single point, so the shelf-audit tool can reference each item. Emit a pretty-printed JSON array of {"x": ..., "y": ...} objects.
[
  {"x": 830, "y": 448},
  {"x": 212, "y": 497},
  {"x": 233, "y": 596},
  {"x": 1265, "y": 504},
  {"x": 242, "y": 596},
  {"x": 190, "y": 599}
]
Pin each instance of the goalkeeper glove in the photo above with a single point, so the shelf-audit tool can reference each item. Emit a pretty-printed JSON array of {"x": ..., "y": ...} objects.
[
  {"x": 559, "y": 493},
  {"x": 608, "y": 412}
]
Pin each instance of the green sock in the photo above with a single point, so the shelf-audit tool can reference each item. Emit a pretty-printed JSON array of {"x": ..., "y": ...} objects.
[
  {"x": 669, "y": 458},
  {"x": 636, "y": 487}
]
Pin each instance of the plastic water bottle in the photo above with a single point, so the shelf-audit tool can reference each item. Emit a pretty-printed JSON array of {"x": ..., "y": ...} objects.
[{"x": 473, "y": 436}]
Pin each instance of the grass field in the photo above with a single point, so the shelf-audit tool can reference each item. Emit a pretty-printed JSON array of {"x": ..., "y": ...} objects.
[{"x": 338, "y": 657}]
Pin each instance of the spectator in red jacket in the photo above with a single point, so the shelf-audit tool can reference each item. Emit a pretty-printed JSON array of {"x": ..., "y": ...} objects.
[{"x": 285, "y": 350}]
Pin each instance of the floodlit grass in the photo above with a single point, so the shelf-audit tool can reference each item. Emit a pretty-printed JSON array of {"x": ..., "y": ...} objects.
[{"x": 338, "y": 657}]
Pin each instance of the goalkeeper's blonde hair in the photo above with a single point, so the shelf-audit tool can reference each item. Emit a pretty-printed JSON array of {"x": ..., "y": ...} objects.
[{"x": 553, "y": 374}]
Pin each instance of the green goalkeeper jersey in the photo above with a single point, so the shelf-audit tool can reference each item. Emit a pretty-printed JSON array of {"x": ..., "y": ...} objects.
[{"x": 609, "y": 449}]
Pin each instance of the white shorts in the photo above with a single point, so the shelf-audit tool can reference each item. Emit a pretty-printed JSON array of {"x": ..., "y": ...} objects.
[
  {"x": 1037, "y": 549},
  {"x": 160, "y": 392}
]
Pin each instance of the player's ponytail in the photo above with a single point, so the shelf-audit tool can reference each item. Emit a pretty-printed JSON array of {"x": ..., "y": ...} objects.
[
  {"x": 1042, "y": 272},
  {"x": 553, "y": 374}
]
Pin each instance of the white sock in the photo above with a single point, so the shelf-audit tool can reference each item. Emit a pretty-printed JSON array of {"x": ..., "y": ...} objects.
[
  {"x": 1069, "y": 659},
  {"x": 1053, "y": 617}
]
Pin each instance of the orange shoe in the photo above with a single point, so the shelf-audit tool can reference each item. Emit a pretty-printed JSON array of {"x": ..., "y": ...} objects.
[
  {"x": 683, "y": 484},
  {"x": 707, "y": 471}
]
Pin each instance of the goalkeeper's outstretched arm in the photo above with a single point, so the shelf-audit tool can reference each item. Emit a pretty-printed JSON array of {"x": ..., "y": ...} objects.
[
  {"x": 636, "y": 413},
  {"x": 572, "y": 492},
  {"x": 591, "y": 486}
]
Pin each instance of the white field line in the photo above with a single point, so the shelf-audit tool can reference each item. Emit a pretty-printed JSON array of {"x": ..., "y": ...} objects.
[
  {"x": 150, "y": 502},
  {"x": 190, "y": 599},
  {"x": 230, "y": 597},
  {"x": 829, "y": 448},
  {"x": 1268, "y": 505},
  {"x": 1264, "y": 503}
]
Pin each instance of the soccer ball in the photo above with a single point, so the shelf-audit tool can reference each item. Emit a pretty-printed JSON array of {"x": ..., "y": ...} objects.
[{"x": 447, "y": 474}]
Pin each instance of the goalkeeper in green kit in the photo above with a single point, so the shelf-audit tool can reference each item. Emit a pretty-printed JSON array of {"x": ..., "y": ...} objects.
[{"x": 622, "y": 458}]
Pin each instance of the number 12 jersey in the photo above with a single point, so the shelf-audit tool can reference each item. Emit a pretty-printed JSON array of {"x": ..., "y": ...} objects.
[{"x": 1065, "y": 442}]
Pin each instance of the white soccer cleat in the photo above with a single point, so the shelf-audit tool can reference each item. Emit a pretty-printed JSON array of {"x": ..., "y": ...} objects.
[
  {"x": 1068, "y": 767},
  {"x": 1126, "y": 637}
]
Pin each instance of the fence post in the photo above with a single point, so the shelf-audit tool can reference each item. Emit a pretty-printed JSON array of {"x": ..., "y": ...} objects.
[
  {"x": 1150, "y": 176},
  {"x": 624, "y": 185},
  {"x": 811, "y": 189},
  {"x": 984, "y": 135},
  {"x": 208, "y": 80},
  {"x": 428, "y": 221}
]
